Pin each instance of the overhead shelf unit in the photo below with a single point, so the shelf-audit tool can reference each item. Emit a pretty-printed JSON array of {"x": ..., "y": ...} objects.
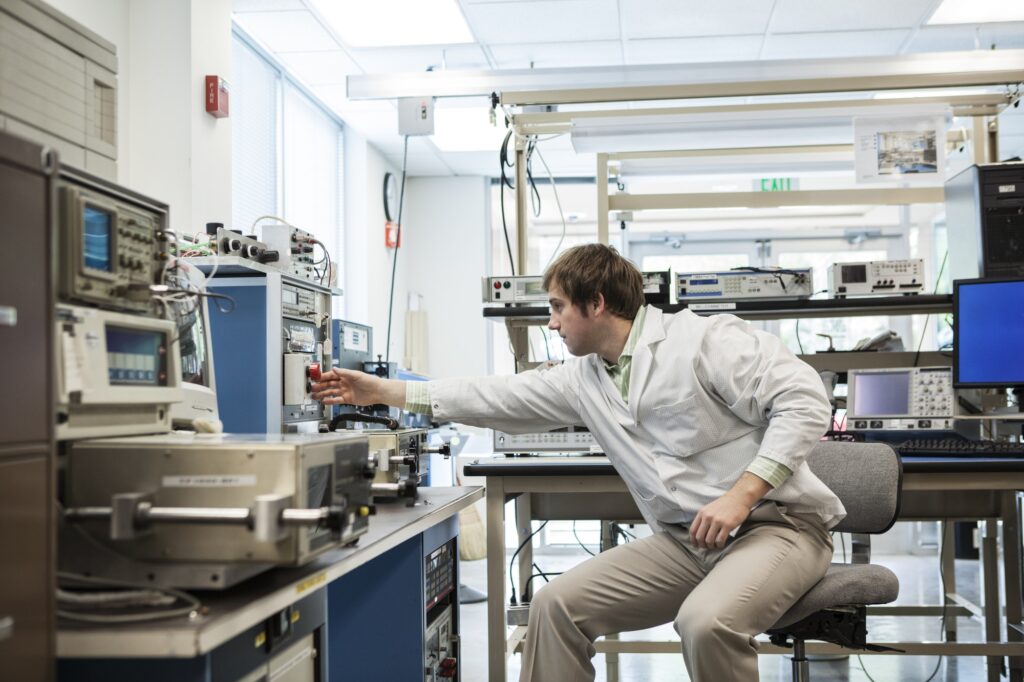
[
  {"x": 771, "y": 310},
  {"x": 518, "y": 320},
  {"x": 780, "y": 88}
]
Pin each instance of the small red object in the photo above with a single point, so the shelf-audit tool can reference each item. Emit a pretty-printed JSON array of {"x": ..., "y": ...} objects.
[
  {"x": 216, "y": 97},
  {"x": 392, "y": 235},
  {"x": 314, "y": 371}
]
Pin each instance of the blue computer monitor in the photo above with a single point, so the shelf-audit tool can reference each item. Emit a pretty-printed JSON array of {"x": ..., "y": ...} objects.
[{"x": 988, "y": 333}]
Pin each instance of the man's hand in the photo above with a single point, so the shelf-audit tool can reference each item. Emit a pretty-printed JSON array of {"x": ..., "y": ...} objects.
[
  {"x": 715, "y": 520},
  {"x": 348, "y": 387}
]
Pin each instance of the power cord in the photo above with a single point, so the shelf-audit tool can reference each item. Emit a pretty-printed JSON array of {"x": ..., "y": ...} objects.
[
  {"x": 945, "y": 605},
  {"x": 141, "y": 595},
  {"x": 558, "y": 203},
  {"x": 920, "y": 342},
  {"x": 585, "y": 548},
  {"x": 505, "y": 182},
  {"x": 511, "y": 561},
  {"x": 398, "y": 242}
]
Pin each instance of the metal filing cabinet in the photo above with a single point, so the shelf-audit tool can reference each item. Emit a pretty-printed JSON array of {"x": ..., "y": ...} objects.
[
  {"x": 58, "y": 86},
  {"x": 27, "y": 540}
]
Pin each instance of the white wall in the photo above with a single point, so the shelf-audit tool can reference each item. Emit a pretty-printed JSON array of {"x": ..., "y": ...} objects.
[
  {"x": 168, "y": 147},
  {"x": 367, "y": 261},
  {"x": 446, "y": 252}
]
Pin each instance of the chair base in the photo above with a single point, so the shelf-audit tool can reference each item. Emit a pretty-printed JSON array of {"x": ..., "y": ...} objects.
[{"x": 845, "y": 626}]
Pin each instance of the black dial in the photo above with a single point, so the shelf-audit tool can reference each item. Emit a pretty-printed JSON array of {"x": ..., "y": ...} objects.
[{"x": 390, "y": 197}]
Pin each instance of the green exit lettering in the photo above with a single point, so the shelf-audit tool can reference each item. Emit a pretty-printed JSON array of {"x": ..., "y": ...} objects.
[{"x": 775, "y": 184}]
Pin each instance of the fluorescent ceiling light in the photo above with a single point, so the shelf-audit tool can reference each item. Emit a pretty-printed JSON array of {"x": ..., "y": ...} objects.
[
  {"x": 465, "y": 129},
  {"x": 945, "y": 92},
  {"x": 395, "y": 23},
  {"x": 977, "y": 12}
]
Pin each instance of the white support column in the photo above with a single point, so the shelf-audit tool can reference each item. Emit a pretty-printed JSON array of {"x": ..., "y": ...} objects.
[
  {"x": 602, "y": 198},
  {"x": 522, "y": 211}
]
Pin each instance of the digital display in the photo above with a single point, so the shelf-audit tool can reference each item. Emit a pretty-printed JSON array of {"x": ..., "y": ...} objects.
[
  {"x": 98, "y": 238},
  {"x": 988, "y": 319},
  {"x": 854, "y": 274},
  {"x": 136, "y": 357},
  {"x": 290, "y": 296},
  {"x": 533, "y": 288},
  {"x": 881, "y": 394},
  {"x": 697, "y": 282}
]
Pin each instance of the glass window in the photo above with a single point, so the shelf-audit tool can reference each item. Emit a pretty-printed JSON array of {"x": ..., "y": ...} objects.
[
  {"x": 312, "y": 170},
  {"x": 254, "y": 170},
  {"x": 287, "y": 153}
]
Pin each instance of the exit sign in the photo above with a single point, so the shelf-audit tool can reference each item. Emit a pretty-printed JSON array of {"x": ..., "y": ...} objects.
[{"x": 776, "y": 184}]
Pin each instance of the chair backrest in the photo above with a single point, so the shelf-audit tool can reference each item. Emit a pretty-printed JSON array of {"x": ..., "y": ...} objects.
[{"x": 867, "y": 478}]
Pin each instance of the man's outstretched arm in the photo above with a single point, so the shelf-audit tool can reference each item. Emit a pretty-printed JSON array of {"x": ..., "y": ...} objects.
[{"x": 349, "y": 387}]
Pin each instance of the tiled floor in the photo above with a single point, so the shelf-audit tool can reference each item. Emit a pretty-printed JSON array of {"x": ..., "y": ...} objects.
[{"x": 918, "y": 585}]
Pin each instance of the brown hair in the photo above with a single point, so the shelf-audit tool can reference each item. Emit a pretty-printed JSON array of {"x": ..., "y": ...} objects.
[{"x": 585, "y": 271}]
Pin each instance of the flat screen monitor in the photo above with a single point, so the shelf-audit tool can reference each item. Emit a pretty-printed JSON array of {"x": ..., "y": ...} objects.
[
  {"x": 880, "y": 394},
  {"x": 988, "y": 333}
]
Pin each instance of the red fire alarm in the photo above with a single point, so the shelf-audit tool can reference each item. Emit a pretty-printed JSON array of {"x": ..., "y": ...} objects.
[
  {"x": 216, "y": 97},
  {"x": 392, "y": 235}
]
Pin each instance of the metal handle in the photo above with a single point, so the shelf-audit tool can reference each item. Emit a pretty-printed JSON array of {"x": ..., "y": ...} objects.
[
  {"x": 131, "y": 515},
  {"x": 6, "y": 627}
]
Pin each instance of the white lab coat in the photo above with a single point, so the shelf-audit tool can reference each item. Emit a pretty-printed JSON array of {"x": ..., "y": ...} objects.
[{"x": 706, "y": 396}]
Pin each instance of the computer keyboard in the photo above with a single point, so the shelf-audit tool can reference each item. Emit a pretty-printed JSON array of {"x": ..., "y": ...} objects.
[{"x": 956, "y": 447}]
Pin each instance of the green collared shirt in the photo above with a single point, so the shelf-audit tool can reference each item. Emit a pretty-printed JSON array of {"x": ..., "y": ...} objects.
[{"x": 417, "y": 399}]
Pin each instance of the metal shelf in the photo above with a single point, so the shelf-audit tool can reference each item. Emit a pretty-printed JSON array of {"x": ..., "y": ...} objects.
[
  {"x": 235, "y": 266},
  {"x": 769, "y": 310}
]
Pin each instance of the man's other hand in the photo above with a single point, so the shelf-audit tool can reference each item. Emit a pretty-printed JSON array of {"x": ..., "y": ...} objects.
[{"x": 715, "y": 520}]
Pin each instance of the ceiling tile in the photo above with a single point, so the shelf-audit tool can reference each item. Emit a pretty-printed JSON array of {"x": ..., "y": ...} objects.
[
  {"x": 955, "y": 38},
  {"x": 683, "y": 50},
  {"x": 320, "y": 68},
  {"x": 555, "y": 55},
  {"x": 833, "y": 44},
  {"x": 420, "y": 58},
  {"x": 287, "y": 31},
  {"x": 265, "y": 5},
  {"x": 683, "y": 18},
  {"x": 543, "y": 21},
  {"x": 805, "y": 16}
]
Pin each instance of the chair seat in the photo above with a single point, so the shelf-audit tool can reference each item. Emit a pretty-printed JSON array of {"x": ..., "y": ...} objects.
[{"x": 844, "y": 584}]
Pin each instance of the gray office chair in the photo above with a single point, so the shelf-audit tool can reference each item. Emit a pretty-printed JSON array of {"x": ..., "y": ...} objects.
[{"x": 867, "y": 477}]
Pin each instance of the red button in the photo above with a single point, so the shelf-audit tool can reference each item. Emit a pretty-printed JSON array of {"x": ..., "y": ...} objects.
[
  {"x": 497, "y": 285},
  {"x": 314, "y": 371}
]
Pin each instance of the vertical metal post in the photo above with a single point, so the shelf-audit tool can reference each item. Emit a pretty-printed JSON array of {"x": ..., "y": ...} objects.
[
  {"x": 992, "y": 131},
  {"x": 946, "y": 559},
  {"x": 611, "y": 660},
  {"x": 990, "y": 590},
  {"x": 1012, "y": 578},
  {"x": 522, "y": 210},
  {"x": 496, "y": 632},
  {"x": 801, "y": 669},
  {"x": 524, "y": 526},
  {"x": 983, "y": 148},
  {"x": 602, "y": 198}
]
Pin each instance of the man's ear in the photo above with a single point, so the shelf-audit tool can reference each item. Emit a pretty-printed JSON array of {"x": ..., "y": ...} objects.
[{"x": 597, "y": 305}]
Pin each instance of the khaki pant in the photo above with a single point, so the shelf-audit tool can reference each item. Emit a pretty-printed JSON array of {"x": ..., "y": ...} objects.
[{"x": 719, "y": 599}]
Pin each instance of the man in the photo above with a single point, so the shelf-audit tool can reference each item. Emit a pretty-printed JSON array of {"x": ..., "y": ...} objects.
[{"x": 709, "y": 424}]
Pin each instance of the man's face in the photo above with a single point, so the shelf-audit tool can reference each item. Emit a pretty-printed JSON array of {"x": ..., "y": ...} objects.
[{"x": 576, "y": 330}]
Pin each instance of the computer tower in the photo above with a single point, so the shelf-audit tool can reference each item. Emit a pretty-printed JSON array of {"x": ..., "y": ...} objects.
[{"x": 985, "y": 221}]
